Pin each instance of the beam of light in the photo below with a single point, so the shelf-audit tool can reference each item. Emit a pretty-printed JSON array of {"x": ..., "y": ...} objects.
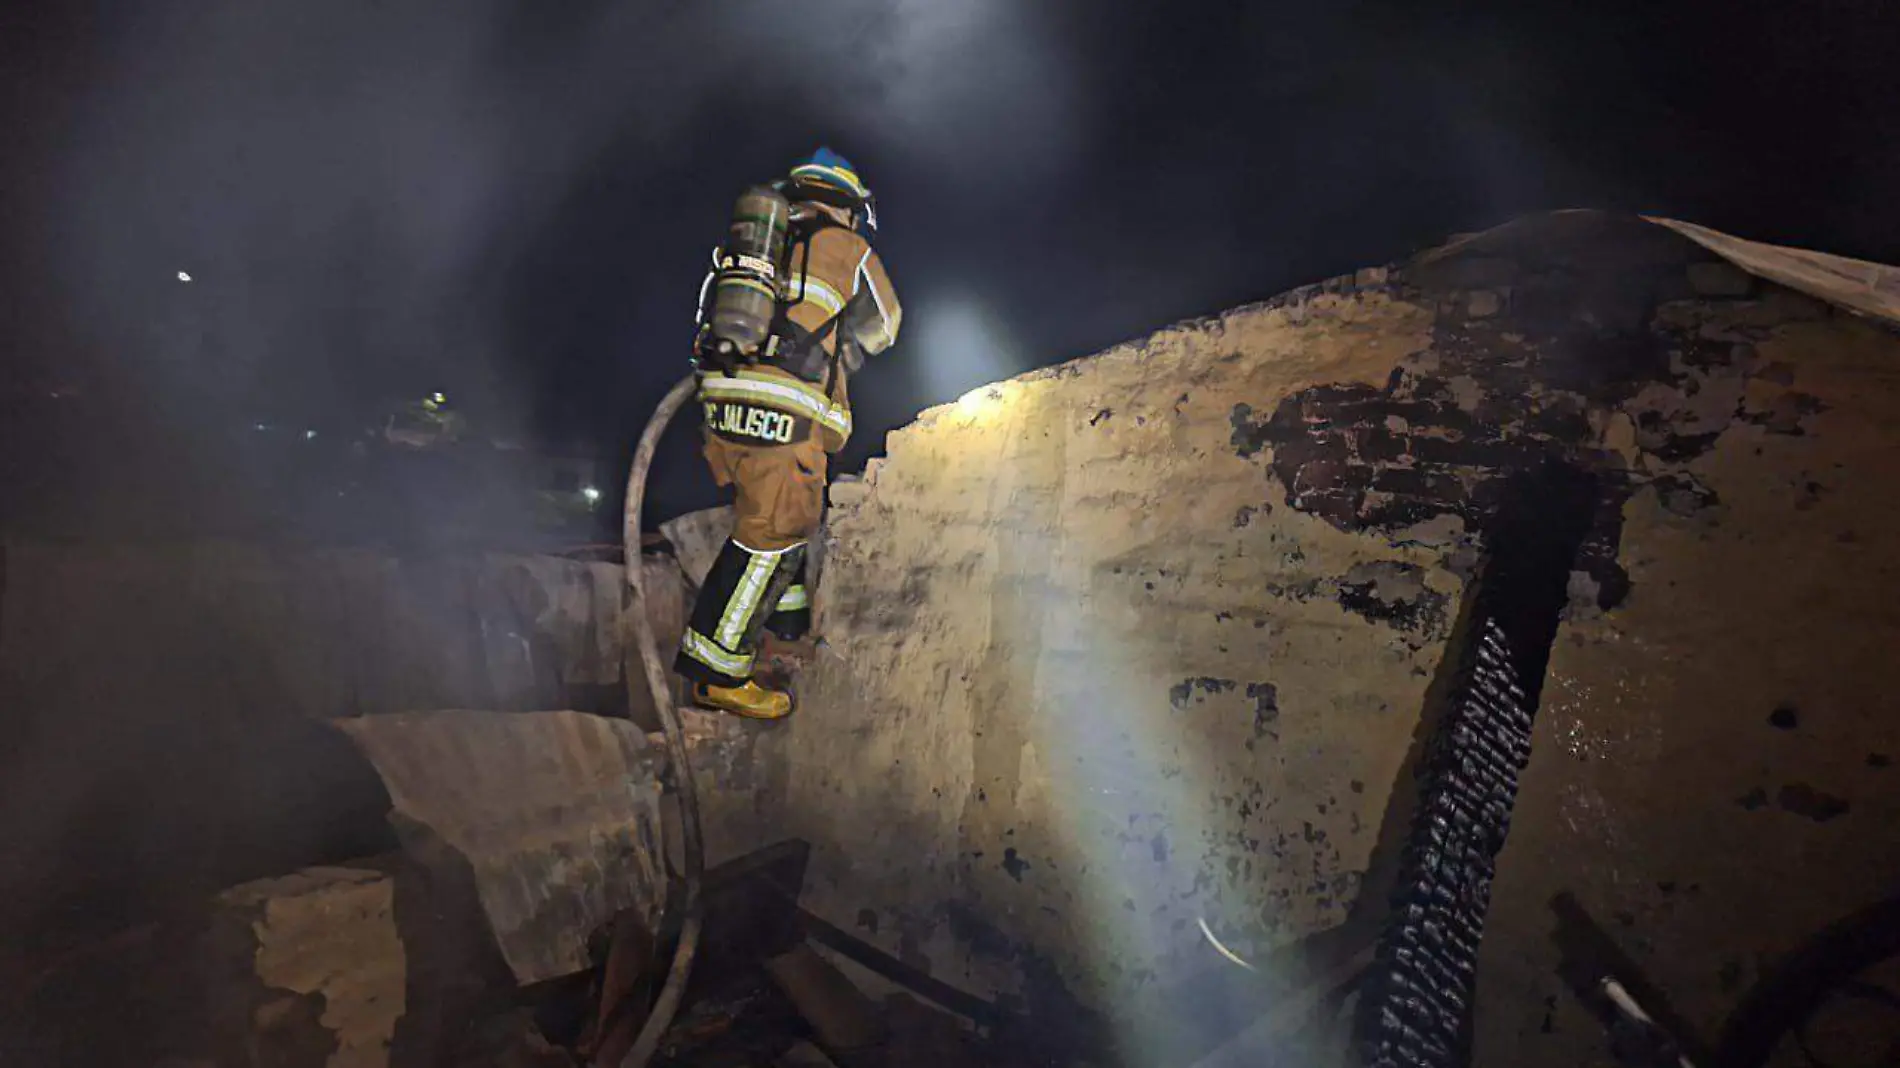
[
  {"x": 1130, "y": 781},
  {"x": 1128, "y": 796},
  {"x": 1219, "y": 947},
  {"x": 1125, "y": 781},
  {"x": 960, "y": 345}
]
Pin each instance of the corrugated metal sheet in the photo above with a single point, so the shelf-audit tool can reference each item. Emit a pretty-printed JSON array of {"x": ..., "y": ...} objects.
[
  {"x": 1870, "y": 288},
  {"x": 556, "y": 813}
]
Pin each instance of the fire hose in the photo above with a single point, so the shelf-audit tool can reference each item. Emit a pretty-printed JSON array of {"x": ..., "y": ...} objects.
[{"x": 693, "y": 862}]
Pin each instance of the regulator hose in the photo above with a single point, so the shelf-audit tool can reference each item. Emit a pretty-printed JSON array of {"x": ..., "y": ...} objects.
[{"x": 655, "y": 670}]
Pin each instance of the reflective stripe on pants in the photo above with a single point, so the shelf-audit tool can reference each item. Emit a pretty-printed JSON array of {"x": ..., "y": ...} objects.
[
  {"x": 791, "y": 617},
  {"x": 722, "y": 636}
]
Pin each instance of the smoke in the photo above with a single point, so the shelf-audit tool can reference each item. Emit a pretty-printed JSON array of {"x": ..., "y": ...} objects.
[
  {"x": 977, "y": 91},
  {"x": 364, "y": 194}
]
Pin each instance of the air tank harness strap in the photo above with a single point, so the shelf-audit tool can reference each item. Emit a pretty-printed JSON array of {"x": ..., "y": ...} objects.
[{"x": 796, "y": 348}]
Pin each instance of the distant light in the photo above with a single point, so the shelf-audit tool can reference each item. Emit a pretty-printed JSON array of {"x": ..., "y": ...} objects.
[
  {"x": 309, "y": 434},
  {"x": 438, "y": 398},
  {"x": 183, "y": 277},
  {"x": 260, "y": 426},
  {"x": 591, "y": 494}
]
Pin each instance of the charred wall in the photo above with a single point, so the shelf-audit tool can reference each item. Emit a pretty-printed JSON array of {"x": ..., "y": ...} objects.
[{"x": 1139, "y": 644}]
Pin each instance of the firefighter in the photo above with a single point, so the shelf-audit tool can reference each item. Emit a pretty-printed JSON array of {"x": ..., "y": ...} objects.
[{"x": 796, "y": 304}]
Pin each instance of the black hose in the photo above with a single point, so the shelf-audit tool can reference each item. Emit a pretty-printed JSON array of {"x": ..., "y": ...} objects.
[
  {"x": 655, "y": 670},
  {"x": 1792, "y": 990}
]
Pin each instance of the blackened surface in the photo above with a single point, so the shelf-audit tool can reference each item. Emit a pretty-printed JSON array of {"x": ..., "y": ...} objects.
[
  {"x": 1266, "y": 711},
  {"x": 1804, "y": 800},
  {"x": 1249, "y": 436},
  {"x": 1783, "y": 415},
  {"x": 1181, "y": 694},
  {"x": 1394, "y": 593},
  {"x": 973, "y": 929},
  {"x": 1266, "y": 703},
  {"x": 1014, "y": 864},
  {"x": 1575, "y": 339},
  {"x": 1683, "y": 495},
  {"x": 1051, "y": 1018},
  {"x": 1415, "y": 1008}
]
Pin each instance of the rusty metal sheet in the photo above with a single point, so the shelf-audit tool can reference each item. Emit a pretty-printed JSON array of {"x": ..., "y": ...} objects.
[
  {"x": 1870, "y": 288},
  {"x": 556, "y": 813}
]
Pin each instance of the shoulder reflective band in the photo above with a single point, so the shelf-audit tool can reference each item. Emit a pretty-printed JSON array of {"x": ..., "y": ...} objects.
[
  {"x": 795, "y": 599},
  {"x": 817, "y": 291},
  {"x": 888, "y": 326},
  {"x": 699, "y": 310},
  {"x": 781, "y": 393}
]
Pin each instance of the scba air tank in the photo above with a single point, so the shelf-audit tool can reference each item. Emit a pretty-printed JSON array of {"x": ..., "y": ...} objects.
[{"x": 745, "y": 287}]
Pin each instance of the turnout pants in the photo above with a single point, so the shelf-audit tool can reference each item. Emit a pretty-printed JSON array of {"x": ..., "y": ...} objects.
[{"x": 759, "y": 576}]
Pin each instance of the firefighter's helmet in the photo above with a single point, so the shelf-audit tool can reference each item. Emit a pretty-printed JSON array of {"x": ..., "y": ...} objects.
[{"x": 832, "y": 178}]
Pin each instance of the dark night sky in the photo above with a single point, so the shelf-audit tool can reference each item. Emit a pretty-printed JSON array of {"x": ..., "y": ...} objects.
[{"x": 513, "y": 202}]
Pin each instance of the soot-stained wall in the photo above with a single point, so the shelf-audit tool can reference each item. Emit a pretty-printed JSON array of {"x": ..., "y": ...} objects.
[{"x": 1139, "y": 644}]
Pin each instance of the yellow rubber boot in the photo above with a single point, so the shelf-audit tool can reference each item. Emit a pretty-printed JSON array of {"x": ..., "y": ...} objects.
[{"x": 751, "y": 700}]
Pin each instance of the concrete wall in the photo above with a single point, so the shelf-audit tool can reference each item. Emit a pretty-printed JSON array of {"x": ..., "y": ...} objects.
[
  {"x": 1139, "y": 643},
  {"x": 164, "y": 705}
]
